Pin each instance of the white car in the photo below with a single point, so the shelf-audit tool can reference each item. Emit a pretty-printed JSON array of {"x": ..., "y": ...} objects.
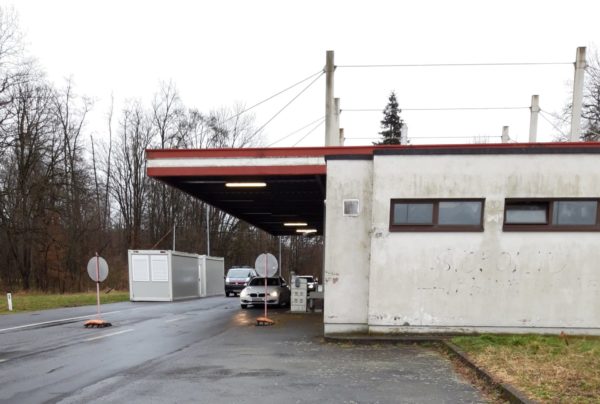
[{"x": 277, "y": 291}]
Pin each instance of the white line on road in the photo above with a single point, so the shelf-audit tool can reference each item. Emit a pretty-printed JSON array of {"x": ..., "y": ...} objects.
[
  {"x": 3, "y": 360},
  {"x": 175, "y": 319},
  {"x": 109, "y": 335},
  {"x": 57, "y": 321}
]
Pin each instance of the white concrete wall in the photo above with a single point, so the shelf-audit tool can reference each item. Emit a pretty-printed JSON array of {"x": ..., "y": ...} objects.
[
  {"x": 347, "y": 247},
  {"x": 493, "y": 280}
]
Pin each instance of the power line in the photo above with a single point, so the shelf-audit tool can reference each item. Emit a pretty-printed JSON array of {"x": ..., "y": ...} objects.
[
  {"x": 459, "y": 64},
  {"x": 286, "y": 105},
  {"x": 434, "y": 109},
  {"x": 309, "y": 132},
  {"x": 275, "y": 95},
  {"x": 543, "y": 113},
  {"x": 296, "y": 131}
]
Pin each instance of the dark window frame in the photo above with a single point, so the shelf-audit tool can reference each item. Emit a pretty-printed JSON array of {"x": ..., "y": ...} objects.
[
  {"x": 435, "y": 226},
  {"x": 549, "y": 226}
]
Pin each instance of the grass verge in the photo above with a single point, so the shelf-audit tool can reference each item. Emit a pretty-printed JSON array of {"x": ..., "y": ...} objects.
[
  {"x": 38, "y": 301},
  {"x": 545, "y": 368}
]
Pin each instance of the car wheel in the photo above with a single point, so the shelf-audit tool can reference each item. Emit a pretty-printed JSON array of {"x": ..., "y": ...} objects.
[
  {"x": 227, "y": 294},
  {"x": 244, "y": 306}
]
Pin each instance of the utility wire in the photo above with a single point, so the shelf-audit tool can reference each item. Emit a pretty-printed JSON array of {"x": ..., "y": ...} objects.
[
  {"x": 296, "y": 131},
  {"x": 543, "y": 113},
  {"x": 460, "y": 64},
  {"x": 435, "y": 109},
  {"x": 274, "y": 95},
  {"x": 286, "y": 105},
  {"x": 309, "y": 132}
]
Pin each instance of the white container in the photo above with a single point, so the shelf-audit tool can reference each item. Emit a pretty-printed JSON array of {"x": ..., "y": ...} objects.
[
  {"x": 164, "y": 275},
  {"x": 211, "y": 271}
]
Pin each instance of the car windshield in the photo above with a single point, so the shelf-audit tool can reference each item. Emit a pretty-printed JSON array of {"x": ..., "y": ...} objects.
[
  {"x": 239, "y": 273},
  {"x": 261, "y": 282}
]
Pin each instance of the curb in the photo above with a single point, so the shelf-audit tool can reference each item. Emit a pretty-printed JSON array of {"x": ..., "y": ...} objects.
[{"x": 507, "y": 391}]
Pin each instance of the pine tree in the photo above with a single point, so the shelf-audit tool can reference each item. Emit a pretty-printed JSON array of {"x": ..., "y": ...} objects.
[{"x": 391, "y": 124}]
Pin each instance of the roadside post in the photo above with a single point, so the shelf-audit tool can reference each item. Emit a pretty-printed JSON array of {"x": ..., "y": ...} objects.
[
  {"x": 9, "y": 299},
  {"x": 97, "y": 270},
  {"x": 266, "y": 266}
]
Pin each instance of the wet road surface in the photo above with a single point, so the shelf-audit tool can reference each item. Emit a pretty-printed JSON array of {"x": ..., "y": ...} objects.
[{"x": 209, "y": 351}]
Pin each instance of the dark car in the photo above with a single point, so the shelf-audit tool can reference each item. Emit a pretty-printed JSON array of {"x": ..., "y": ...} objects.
[{"x": 237, "y": 278}]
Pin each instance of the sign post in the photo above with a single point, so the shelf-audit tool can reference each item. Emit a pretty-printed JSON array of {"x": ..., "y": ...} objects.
[
  {"x": 97, "y": 270},
  {"x": 9, "y": 298},
  {"x": 266, "y": 266}
]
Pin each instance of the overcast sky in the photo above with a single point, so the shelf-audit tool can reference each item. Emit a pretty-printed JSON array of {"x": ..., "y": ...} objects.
[{"x": 222, "y": 52}]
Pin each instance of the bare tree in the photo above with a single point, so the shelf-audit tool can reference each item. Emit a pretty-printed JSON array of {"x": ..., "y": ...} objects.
[
  {"x": 128, "y": 180},
  {"x": 28, "y": 173},
  {"x": 591, "y": 100}
]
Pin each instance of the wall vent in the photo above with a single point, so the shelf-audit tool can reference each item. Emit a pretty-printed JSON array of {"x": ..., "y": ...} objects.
[{"x": 351, "y": 207}]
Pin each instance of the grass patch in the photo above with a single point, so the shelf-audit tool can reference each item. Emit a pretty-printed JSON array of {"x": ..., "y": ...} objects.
[
  {"x": 546, "y": 368},
  {"x": 38, "y": 301}
]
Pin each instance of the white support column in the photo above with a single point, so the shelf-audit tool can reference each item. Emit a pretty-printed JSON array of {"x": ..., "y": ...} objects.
[
  {"x": 404, "y": 134},
  {"x": 533, "y": 119},
  {"x": 580, "y": 65},
  {"x": 336, "y": 121},
  {"x": 331, "y": 132},
  {"x": 505, "y": 137},
  {"x": 342, "y": 139}
]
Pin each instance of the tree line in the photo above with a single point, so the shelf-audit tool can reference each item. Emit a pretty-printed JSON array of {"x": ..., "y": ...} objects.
[{"x": 66, "y": 194}]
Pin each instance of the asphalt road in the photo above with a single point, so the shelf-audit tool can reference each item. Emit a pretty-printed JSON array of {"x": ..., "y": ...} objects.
[{"x": 208, "y": 351}]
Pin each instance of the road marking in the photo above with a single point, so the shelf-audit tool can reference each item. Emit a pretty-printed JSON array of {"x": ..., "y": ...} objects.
[
  {"x": 3, "y": 360},
  {"x": 57, "y": 321},
  {"x": 175, "y": 319},
  {"x": 109, "y": 335}
]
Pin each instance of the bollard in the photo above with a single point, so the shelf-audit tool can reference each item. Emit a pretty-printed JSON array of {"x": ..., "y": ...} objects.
[{"x": 9, "y": 298}]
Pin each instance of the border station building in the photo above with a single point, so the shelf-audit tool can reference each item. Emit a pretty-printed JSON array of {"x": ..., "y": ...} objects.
[{"x": 425, "y": 239}]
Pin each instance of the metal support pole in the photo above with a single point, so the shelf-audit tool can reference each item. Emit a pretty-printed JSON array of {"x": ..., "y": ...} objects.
[
  {"x": 580, "y": 65},
  {"x": 279, "y": 262},
  {"x": 505, "y": 137},
  {"x": 533, "y": 119},
  {"x": 331, "y": 132},
  {"x": 98, "y": 284},
  {"x": 174, "y": 228},
  {"x": 342, "y": 138},
  {"x": 207, "y": 230}
]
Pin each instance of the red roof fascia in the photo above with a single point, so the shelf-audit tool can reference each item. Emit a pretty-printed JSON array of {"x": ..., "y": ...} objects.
[
  {"x": 235, "y": 171},
  {"x": 258, "y": 152},
  {"x": 343, "y": 150}
]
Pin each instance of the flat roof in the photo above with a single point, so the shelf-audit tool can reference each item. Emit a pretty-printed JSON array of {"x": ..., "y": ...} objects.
[{"x": 295, "y": 177}]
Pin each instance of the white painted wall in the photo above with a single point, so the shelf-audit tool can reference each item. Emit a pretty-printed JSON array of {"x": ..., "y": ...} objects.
[
  {"x": 494, "y": 280},
  {"x": 347, "y": 246}
]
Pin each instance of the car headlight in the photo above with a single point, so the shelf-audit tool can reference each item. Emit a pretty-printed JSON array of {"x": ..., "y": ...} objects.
[
  {"x": 227, "y": 280},
  {"x": 273, "y": 293},
  {"x": 244, "y": 293}
]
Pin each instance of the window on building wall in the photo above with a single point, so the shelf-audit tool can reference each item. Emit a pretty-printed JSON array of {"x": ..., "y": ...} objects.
[
  {"x": 551, "y": 215},
  {"x": 436, "y": 215}
]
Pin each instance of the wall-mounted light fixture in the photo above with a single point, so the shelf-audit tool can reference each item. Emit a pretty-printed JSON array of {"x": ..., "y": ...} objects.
[{"x": 295, "y": 224}]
